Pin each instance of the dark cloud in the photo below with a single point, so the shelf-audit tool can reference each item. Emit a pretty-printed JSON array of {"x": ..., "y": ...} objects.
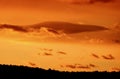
[
  {"x": 94, "y": 55},
  {"x": 55, "y": 27},
  {"x": 104, "y": 1},
  {"x": 47, "y": 51},
  {"x": 61, "y": 52},
  {"x": 47, "y": 54},
  {"x": 61, "y": 66},
  {"x": 32, "y": 64},
  {"x": 109, "y": 57},
  {"x": 71, "y": 66},
  {"x": 67, "y": 28},
  {"x": 79, "y": 66},
  {"x": 117, "y": 41},
  {"x": 13, "y": 27},
  {"x": 77, "y": 2},
  {"x": 84, "y": 67},
  {"x": 92, "y": 65}
]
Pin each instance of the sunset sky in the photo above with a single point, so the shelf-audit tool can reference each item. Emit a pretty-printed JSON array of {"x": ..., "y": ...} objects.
[
  {"x": 26, "y": 44},
  {"x": 25, "y": 12}
]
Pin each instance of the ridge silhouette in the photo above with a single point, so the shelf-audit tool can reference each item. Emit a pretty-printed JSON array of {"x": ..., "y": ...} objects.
[{"x": 24, "y": 72}]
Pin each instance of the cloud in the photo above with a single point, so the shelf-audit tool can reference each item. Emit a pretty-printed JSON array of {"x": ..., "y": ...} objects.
[
  {"x": 71, "y": 66},
  {"x": 13, "y": 27},
  {"x": 109, "y": 57},
  {"x": 92, "y": 65},
  {"x": 94, "y": 55},
  {"x": 117, "y": 41},
  {"x": 47, "y": 54},
  {"x": 32, "y": 64},
  {"x": 86, "y": 1},
  {"x": 61, "y": 66},
  {"x": 53, "y": 31},
  {"x": 56, "y": 29},
  {"x": 84, "y": 67},
  {"x": 79, "y": 66},
  {"x": 61, "y": 52},
  {"x": 103, "y": 1},
  {"x": 67, "y": 28}
]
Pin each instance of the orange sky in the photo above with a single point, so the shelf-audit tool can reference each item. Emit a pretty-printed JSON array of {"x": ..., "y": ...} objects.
[
  {"x": 34, "y": 11},
  {"x": 30, "y": 50}
]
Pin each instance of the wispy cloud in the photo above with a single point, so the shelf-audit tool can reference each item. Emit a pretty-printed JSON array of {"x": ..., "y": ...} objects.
[
  {"x": 79, "y": 66},
  {"x": 61, "y": 52},
  {"x": 47, "y": 54},
  {"x": 94, "y": 55},
  {"x": 32, "y": 64},
  {"x": 71, "y": 66},
  {"x": 14, "y": 27},
  {"x": 84, "y": 67},
  {"x": 66, "y": 27},
  {"x": 55, "y": 29},
  {"x": 92, "y": 65},
  {"x": 108, "y": 57}
]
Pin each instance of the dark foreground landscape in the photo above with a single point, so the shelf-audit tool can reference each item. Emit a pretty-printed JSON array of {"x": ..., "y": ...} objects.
[{"x": 24, "y": 72}]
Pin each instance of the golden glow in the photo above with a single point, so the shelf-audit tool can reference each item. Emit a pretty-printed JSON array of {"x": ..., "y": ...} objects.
[{"x": 61, "y": 52}]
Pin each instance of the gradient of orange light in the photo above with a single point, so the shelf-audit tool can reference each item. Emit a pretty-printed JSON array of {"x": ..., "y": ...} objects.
[
  {"x": 23, "y": 13},
  {"x": 21, "y": 52},
  {"x": 23, "y": 16}
]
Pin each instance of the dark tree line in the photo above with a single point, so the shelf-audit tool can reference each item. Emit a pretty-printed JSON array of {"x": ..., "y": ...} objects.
[{"x": 24, "y": 72}]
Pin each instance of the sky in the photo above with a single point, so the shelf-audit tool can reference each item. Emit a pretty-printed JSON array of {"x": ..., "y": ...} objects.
[
  {"x": 26, "y": 12},
  {"x": 49, "y": 48}
]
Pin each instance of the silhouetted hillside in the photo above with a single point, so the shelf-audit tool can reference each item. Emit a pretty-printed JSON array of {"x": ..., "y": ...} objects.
[{"x": 24, "y": 72}]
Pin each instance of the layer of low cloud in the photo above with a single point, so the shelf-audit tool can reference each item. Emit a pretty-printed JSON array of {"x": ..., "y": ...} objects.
[
  {"x": 13, "y": 27},
  {"x": 62, "y": 27}
]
